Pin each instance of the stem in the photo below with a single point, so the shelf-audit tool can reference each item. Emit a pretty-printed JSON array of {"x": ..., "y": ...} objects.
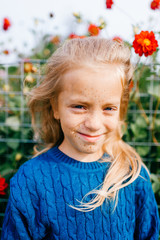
[
  {"x": 143, "y": 112},
  {"x": 125, "y": 13},
  {"x": 138, "y": 102},
  {"x": 153, "y": 122},
  {"x": 9, "y": 172}
]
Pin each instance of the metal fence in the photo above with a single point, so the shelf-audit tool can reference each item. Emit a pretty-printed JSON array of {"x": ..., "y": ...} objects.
[{"x": 16, "y": 137}]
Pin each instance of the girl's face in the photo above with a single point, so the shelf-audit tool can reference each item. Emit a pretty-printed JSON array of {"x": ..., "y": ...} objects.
[{"x": 88, "y": 108}]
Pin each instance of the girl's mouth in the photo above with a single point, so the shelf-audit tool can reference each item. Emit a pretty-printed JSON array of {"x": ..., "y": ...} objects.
[{"x": 90, "y": 138}]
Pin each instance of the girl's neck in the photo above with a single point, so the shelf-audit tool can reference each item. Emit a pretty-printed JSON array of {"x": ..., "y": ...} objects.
[{"x": 82, "y": 157}]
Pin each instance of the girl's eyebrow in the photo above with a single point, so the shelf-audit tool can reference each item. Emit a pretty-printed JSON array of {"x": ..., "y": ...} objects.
[
  {"x": 81, "y": 101},
  {"x": 112, "y": 103}
]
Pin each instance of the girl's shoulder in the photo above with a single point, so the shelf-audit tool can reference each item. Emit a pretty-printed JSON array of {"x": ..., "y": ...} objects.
[
  {"x": 34, "y": 168},
  {"x": 145, "y": 206},
  {"x": 144, "y": 175},
  {"x": 30, "y": 182},
  {"x": 143, "y": 182}
]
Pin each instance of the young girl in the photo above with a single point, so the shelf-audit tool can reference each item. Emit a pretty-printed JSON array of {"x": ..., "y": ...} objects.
[{"x": 86, "y": 183}]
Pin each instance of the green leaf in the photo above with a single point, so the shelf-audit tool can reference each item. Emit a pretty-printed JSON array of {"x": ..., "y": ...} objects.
[
  {"x": 139, "y": 133},
  {"x": 12, "y": 70},
  {"x": 134, "y": 129},
  {"x": 157, "y": 124},
  {"x": 140, "y": 122},
  {"x": 13, "y": 122},
  {"x": 26, "y": 133},
  {"x": 15, "y": 102},
  {"x": 7, "y": 170},
  {"x": 3, "y": 147},
  {"x": 13, "y": 145},
  {"x": 154, "y": 90},
  {"x": 156, "y": 187},
  {"x": 139, "y": 128},
  {"x": 154, "y": 178},
  {"x": 143, "y": 150},
  {"x": 12, "y": 104}
]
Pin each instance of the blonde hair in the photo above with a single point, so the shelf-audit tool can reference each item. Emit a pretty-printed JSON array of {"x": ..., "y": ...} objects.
[{"x": 92, "y": 51}]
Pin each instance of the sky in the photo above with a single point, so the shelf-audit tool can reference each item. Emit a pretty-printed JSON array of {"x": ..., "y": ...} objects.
[{"x": 33, "y": 16}]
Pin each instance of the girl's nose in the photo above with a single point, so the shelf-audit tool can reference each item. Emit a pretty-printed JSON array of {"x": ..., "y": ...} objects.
[{"x": 93, "y": 122}]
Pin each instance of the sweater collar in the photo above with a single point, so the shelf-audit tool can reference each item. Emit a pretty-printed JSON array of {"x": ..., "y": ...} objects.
[{"x": 59, "y": 156}]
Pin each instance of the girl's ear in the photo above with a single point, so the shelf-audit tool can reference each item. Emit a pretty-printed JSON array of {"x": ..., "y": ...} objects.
[{"x": 54, "y": 109}]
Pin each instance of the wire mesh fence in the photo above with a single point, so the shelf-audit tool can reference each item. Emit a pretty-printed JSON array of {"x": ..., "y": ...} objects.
[
  {"x": 16, "y": 135},
  {"x": 15, "y": 122}
]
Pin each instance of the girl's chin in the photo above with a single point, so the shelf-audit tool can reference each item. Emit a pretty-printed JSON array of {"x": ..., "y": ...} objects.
[{"x": 90, "y": 151}]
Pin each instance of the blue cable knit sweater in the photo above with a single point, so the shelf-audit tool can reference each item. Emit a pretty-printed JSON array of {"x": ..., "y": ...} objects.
[{"x": 45, "y": 186}]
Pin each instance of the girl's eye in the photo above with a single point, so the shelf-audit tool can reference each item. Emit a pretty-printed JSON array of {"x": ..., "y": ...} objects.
[
  {"x": 78, "y": 106},
  {"x": 108, "y": 108}
]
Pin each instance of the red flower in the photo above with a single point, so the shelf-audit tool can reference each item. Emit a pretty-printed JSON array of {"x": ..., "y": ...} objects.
[
  {"x": 3, "y": 186},
  {"x": 6, "y": 52},
  {"x": 72, "y": 35},
  {"x": 6, "y": 24},
  {"x": 155, "y": 4},
  {"x": 118, "y": 39},
  {"x": 145, "y": 43},
  {"x": 93, "y": 30},
  {"x": 109, "y": 3}
]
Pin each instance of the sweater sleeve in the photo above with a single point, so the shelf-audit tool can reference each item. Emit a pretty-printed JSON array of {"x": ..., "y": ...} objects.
[
  {"x": 15, "y": 224},
  {"x": 147, "y": 219},
  {"x": 22, "y": 217}
]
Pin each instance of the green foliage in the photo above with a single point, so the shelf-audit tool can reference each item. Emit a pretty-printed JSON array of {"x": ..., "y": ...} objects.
[
  {"x": 15, "y": 121},
  {"x": 16, "y": 135},
  {"x": 143, "y": 118},
  {"x": 156, "y": 186}
]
